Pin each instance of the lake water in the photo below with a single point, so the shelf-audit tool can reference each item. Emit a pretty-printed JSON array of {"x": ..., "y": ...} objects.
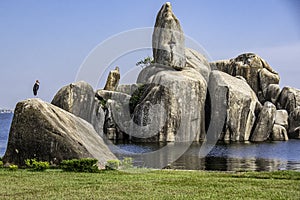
[
  {"x": 5, "y": 121},
  {"x": 266, "y": 156}
]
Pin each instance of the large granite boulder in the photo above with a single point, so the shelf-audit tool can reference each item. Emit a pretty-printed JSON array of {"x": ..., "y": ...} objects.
[
  {"x": 168, "y": 39},
  {"x": 180, "y": 96},
  {"x": 198, "y": 62},
  {"x": 43, "y": 131},
  {"x": 264, "y": 124},
  {"x": 112, "y": 80},
  {"x": 79, "y": 99},
  {"x": 294, "y": 124},
  {"x": 240, "y": 101},
  {"x": 289, "y": 99},
  {"x": 257, "y": 72}
]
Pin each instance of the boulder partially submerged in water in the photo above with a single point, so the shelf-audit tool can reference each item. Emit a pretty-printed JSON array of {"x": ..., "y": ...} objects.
[
  {"x": 239, "y": 101},
  {"x": 43, "y": 131}
]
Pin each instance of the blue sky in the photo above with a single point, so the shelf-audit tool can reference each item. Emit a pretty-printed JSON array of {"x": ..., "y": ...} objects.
[{"x": 48, "y": 40}]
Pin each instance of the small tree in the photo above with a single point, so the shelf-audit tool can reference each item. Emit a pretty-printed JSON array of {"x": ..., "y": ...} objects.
[{"x": 145, "y": 62}]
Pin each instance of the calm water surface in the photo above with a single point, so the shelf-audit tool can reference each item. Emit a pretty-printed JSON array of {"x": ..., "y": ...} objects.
[{"x": 267, "y": 156}]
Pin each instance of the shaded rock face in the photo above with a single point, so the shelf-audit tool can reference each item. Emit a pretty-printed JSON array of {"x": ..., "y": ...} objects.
[
  {"x": 257, "y": 72},
  {"x": 264, "y": 124},
  {"x": 112, "y": 80},
  {"x": 43, "y": 131},
  {"x": 168, "y": 39},
  {"x": 279, "y": 133},
  {"x": 289, "y": 99},
  {"x": 272, "y": 93},
  {"x": 182, "y": 95},
  {"x": 197, "y": 61},
  {"x": 240, "y": 102},
  {"x": 116, "y": 112},
  {"x": 294, "y": 122},
  {"x": 79, "y": 99}
]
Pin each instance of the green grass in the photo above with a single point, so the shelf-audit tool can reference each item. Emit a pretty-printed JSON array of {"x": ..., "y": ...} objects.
[{"x": 157, "y": 184}]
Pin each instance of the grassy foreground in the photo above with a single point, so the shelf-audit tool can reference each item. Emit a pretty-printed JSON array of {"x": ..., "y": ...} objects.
[{"x": 158, "y": 184}]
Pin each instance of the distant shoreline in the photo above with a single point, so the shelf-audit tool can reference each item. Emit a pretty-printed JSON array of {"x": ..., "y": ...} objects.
[{"x": 6, "y": 111}]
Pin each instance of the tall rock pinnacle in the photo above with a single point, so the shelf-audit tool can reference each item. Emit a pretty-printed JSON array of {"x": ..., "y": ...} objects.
[{"x": 168, "y": 39}]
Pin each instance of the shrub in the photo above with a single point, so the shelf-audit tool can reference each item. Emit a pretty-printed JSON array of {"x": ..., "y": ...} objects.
[
  {"x": 145, "y": 62},
  {"x": 13, "y": 167},
  {"x": 1, "y": 164},
  {"x": 112, "y": 165},
  {"x": 80, "y": 165},
  {"x": 127, "y": 163},
  {"x": 37, "y": 165}
]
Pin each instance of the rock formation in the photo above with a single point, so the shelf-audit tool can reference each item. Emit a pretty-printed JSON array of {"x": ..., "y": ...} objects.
[
  {"x": 240, "y": 102},
  {"x": 174, "y": 99},
  {"x": 272, "y": 93},
  {"x": 112, "y": 80},
  {"x": 79, "y": 99},
  {"x": 265, "y": 123},
  {"x": 289, "y": 99},
  {"x": 294, "y": 122},
  {"x": 43, "y": 131},
  {"x": 197, "y": 61},
  {"x": 282, "y": 118},
  {"x": 183, "y": 94},
  {"x": 279, "y": 133},
  {"x": 257, "y": 72},
  {"x": 168, "y": 39}
]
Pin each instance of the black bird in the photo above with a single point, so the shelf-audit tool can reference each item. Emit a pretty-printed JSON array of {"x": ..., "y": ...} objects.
[{"x": 36, "y": 87}]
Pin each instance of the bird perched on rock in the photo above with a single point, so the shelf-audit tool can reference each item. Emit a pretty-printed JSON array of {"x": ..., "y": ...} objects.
[{"x": 36, "y": 87}]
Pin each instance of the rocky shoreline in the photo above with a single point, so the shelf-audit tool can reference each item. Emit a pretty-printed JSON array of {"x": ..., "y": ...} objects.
[{"x": 173, "y": 100}]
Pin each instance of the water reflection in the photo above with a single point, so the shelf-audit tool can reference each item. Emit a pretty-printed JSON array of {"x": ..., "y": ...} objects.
[{"x": 268, "y": 156}]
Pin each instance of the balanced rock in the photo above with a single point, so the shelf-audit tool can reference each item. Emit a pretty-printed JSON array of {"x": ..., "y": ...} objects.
[
  {"x": 112, "y": 80},
  {"x": 257, "y": 72},
  {"x": 264, "y": 124},
  {"x": 168, "y": 39},
  {"x": 43, "y": 131},
  {"x": 240, "y": 102},
  {"x": 294, "y": 124},
  {"x": 289, "y": 99},
  {"x": 279, "y": 133},
  {"x": 79, "y": 99}
]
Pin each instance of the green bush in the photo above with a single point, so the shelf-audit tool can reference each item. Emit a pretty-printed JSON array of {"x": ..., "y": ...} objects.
[
  {"x": 13, "y": 167},
  {"x": 1, "y": 164},
  {"x": 112, "y": 165},
  {"x": 37, "y": 165},
  {"x": 80, "y": 165},
  {"x": 127, "y": 163}
]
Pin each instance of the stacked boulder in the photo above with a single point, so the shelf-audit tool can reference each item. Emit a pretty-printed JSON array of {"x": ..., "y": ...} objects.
[{"x": 282, "y": 120}]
